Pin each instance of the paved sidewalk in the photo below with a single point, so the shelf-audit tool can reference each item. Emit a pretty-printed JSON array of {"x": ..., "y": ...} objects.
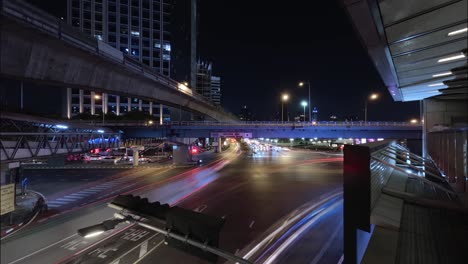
[{"x": 24, "y": 211}]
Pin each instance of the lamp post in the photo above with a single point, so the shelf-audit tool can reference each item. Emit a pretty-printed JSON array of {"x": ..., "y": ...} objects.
[
  {"x": 308, "y": 85},
  {"x": 371, "y": 97},
  {"x": 284, "y": 98},
  {"x": 304, "y": 104}
]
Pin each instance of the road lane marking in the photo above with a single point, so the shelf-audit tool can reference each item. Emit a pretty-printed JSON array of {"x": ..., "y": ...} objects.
[
  {"x": 143, "y": 249},
  {"x": 147, "y": 253},
  {"x": 201, "y": 208},
  {"x": 75, "y": 196},
  {"x": 56, "y": 202},
  {"x": 42, "y": 249},
  {"x": 251, "y": 224},
  {"x": 326, "y": 246},
  {"x": 131, "y": 250},
  {"x": 89, "y": 192},
  {"x": 66, "y": 199}
]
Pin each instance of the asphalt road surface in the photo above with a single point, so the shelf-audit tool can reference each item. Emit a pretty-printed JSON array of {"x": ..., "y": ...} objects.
[{"x": 255, "y": 195}]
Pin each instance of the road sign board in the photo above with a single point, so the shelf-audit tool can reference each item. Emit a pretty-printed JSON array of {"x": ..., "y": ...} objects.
[
  {"x": 232, "y": 134},
  {"x": 7, "y": 198}
]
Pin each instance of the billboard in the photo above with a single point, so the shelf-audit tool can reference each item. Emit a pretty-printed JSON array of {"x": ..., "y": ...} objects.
[{"x": 7, "y": 198}]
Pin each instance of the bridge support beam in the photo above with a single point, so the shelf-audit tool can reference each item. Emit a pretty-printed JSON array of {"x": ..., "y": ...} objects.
[
  {"x": 161, "y": 119},
  {"x": 140, "y": 105},
  {"x": 219, "y": 149},
  {"x": 93, "y": 103},
  {"x": 69, "y": 103},
  {"x": 117, "y": 105},
  {"x": 129, "y": 104},
  {"x": 104, "y": 103},
  {"x": 135, "y": 157},
  {"x": 81, "y": 99},
  {"x": 151, "y": 108}
]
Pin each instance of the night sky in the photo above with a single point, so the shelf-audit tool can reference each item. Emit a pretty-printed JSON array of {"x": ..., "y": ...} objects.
[{"x": 263, "y": 48}]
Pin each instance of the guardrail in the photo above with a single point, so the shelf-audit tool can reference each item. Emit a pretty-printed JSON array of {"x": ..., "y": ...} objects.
[
  {"x": 58, "y": 28},
  {"x": 253, "y": 123}
]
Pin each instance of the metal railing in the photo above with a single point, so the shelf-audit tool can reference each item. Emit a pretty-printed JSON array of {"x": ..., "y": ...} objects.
[{"x": 255, "y": 123}]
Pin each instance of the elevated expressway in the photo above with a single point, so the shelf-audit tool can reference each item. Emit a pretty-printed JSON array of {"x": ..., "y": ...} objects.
[{"x": 38, "y": 47}]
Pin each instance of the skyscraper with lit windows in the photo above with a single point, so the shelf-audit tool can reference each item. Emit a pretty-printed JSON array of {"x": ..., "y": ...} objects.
[{"x": 138, "y": 28}]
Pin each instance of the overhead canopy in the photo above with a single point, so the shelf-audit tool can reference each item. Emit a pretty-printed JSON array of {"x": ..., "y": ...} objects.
[{"x": 419, "y": 47}]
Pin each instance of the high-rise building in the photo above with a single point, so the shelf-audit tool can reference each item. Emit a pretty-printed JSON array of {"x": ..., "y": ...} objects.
[
  {"x": 208, "y": 85},
  {"x": 203, "y": 84},
  {"x": 216, "y": 90},
  {"x": 139, "y": 28}
]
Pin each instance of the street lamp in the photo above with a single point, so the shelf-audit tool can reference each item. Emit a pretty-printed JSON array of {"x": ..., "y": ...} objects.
[
  {"x": 414, "y": 121},
  {"x": 371, "y": 97},
  {"x": 284, "y": 98},
  {"x": 304, "y": 104},
  {"x": 308, "y": 85}
]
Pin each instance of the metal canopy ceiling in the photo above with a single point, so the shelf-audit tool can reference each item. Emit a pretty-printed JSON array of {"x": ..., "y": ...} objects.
[{"x": 419, "y": 47}]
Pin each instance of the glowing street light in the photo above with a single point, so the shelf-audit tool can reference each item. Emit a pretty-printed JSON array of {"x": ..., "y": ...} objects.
[
  {"x": 371, "y": 97},
  {"x": 284, "y": 98},
  {"x": 414, "y": 121},
  {"x": 304, "y": 104},
  {"x": 97, "y": 97},
  {"x": 308, "y": 86}
]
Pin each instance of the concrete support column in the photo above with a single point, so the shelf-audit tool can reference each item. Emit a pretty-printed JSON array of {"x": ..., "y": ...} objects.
[
  {"x": 135, "y": 157},
  {"x": 129, "y": 104},
  {"x": 151, "y": 108},
  {"x": 161, "y": 114},
  {"x": 81, "y": 97},
  {"x": 140, "y": 105},
  {"x": 93, "y": 102},
  {"x": 220, "y": 145},
  {"x": 117, "y": 105},
  {"x": 69, "y": 103},
  {"x": 104, "y": 102}
]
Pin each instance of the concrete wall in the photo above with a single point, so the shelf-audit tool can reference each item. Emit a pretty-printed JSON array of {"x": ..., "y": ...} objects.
[{"x": 444, "y": 112}]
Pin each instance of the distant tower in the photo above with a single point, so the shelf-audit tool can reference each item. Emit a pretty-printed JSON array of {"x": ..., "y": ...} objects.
[{"x": 314, "y": 114}]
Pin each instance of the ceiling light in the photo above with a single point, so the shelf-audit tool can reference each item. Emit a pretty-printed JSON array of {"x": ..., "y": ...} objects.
[
  {"x": 456, "y": 32},
  {"x": 451, "y": 58},
  {"x": 435, "y": 84},
  {"x": 442, "y": 74}
]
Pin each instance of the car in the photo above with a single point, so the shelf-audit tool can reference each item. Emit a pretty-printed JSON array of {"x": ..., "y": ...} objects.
[
  {"x": 92, "y": 158},
  {"x": 109, "y": 159}
]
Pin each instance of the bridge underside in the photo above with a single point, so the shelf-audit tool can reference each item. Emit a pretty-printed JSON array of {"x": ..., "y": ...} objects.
[
  {"x": 29, "y": 54},
  {"x": 284, "y": 132}
]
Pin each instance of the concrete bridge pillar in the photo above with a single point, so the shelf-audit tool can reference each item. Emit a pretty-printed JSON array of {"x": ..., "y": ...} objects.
[
  {"x": 129, "y": 104},
  {"x": 140, "y": 105},
  {"x": 220, "y": 145},
  {"x": 117, "y": 105},
  {"x": 93, "y": 103},
  {"x": 69, "y": 102},
  {"x": 135, "y": 157},
  {"x": 104, "y": 102},
  {"x": 81, "y": 98},
  {"x": 151, "y": 108},
  {"x": 161, "y": 114}
]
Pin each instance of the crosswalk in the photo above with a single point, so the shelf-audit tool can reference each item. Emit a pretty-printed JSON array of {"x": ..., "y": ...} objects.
[{"x": 87, "y": 193}]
